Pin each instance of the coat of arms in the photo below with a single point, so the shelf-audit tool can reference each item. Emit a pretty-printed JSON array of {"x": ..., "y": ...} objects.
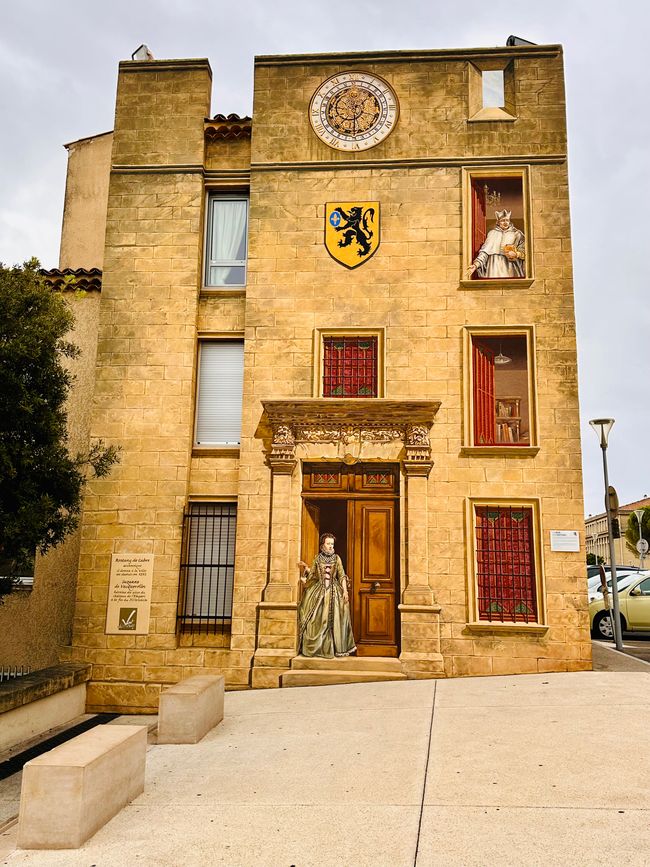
[{"x": 352, "y": 231}]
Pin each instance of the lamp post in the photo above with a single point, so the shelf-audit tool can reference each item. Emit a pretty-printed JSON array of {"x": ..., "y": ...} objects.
[{"x": 603, "y": 426}]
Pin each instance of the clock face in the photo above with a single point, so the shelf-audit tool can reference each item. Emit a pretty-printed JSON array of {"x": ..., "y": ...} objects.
[{"x": 353, "y": 111}]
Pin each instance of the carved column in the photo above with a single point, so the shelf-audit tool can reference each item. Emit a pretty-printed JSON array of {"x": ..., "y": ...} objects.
[
  {"x": 277, "y": 629},
  {"x": 282, "y": 461},
  {"x": 420, "y": 617},
  {"x": 417, "y": 466}
]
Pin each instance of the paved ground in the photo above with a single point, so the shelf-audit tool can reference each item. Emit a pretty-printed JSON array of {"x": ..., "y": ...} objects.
[{"x": 536, "y": 769}]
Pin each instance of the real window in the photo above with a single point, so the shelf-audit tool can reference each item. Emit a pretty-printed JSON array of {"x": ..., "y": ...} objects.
[
  {"x": 349, "y": 363},
  {"x": 19, "y": 571},
  {"x": 207, "y": 567},
  {"x": 497, "y": 245},
  {"x": 500, "y": 393},
  {"x": 219, "y": 393},
  {"x": 227, "y": 240},
  {"x": 505, "y": 567}
]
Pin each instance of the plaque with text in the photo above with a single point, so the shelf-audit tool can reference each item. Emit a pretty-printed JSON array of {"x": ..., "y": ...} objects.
[
  {"x": 565, "y": 540},
  {"x": 129, "y": 594}
]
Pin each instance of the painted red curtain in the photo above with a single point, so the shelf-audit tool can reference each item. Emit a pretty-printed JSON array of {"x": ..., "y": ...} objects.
[
  {"x": 483, "y": 393},
  {"x": 350, "y": 367},
  {"x": 479, "y": 222},
  {"x": 505, "y": 564}
]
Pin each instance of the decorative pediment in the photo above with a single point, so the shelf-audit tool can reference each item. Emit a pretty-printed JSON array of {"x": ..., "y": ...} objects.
[{"x": 348, "y": 421}]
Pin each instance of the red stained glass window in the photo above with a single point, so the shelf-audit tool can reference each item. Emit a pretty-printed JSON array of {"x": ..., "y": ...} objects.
[
  {"x": 349, "y": 367},
  {"x": 505, "y": 564}
]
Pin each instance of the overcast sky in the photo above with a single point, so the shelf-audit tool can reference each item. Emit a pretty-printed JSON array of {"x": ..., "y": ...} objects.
[{"x": 58, "y": 68}]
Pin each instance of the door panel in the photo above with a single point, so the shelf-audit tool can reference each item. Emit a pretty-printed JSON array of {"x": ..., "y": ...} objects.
[
  {"x": 374, "y": 576},
  {"x": 310, "y": 535}
]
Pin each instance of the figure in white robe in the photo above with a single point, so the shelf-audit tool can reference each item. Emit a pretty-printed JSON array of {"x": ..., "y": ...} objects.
[{"x": 503, "y": 252}]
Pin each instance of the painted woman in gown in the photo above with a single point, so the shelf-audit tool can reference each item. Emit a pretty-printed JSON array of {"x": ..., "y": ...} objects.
[{"x": 324, "y": 610}]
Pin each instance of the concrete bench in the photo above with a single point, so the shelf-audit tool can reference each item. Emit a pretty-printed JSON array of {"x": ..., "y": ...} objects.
[
  {"x": 189, "y": 709},
  {"x": 70, "y": 792}
]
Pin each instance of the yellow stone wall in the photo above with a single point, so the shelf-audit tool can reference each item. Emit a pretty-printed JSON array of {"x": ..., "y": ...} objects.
[{"x": 153, "y": 312}]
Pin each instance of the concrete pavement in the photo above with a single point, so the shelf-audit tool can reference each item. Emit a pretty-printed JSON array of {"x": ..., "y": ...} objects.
[{"x": 535, "y": 769}]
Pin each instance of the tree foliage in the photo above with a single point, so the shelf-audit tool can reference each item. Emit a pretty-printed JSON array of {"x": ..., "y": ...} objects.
[
  {"x": 593, "y": 560},
  {"x": 632, "y": 530},
  {"x": 41, "y": 483}
]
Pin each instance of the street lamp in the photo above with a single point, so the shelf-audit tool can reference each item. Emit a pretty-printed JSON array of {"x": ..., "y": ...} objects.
[{"x": 603, "y": 426}]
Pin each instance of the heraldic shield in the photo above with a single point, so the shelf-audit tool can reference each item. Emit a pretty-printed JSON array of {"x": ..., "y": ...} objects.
[{"x": 352, "y": 231}]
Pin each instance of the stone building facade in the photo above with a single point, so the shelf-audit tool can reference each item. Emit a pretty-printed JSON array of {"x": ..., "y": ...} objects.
[
  {"x": 373, "y": 401},
  {"x": 597, "y": 539}
]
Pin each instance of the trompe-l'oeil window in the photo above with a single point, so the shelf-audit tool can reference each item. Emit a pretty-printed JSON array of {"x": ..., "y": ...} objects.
[
  {"x": 349, "y": 367},
  {"x": 500, "y": 399}
]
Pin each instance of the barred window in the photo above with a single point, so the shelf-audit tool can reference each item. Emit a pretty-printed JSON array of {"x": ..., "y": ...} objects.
[
  {"x": 350, "y": 366},
  {"x": 505, "y": 560},
  {"x": 207, "y": 567}
]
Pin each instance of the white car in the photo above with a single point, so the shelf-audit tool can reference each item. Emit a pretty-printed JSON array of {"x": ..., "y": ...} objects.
[{"x": 622, "y": 579}]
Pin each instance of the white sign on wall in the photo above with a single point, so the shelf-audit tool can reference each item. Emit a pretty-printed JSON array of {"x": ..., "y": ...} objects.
[
  {"x": 129, "y": 594},
  {"x": 565, "y": 540}
]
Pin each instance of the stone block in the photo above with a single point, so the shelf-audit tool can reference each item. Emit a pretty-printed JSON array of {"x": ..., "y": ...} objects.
[
  {"x": 70, "y": 792},
  {"x": 189, "y": 709}
]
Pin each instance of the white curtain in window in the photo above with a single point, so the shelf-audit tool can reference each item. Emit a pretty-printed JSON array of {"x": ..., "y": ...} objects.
[
  {"x": 228, "y": 234},
  {"x": 220, "y": 387}
]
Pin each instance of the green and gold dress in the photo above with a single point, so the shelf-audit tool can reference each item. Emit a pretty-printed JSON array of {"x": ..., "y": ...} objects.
[{"x": 323, "y": 613}]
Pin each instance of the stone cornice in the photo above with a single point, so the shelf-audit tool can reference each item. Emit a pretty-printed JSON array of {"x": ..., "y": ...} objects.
[
  {"x": 416, "y": 163},
  {"x": 351, "y": 420},
  {"x": 165, "y": 65},
  {"x": 364, "y": 411},
  {"x": 416, "y": 56}
]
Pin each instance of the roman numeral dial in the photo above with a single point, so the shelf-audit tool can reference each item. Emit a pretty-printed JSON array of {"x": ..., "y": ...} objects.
[{"x": 353, "y": 111}]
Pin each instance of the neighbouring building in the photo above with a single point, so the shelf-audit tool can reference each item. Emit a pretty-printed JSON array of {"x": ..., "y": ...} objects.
[
  {"x": 354, "y": 313},
  {"x": 597, "y": 540}
]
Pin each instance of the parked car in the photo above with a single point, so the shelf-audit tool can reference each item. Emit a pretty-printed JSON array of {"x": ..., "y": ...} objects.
[
  {"x": 594, "y": 571},
  {"x": 594, "y": 584},
  {"x": 634, "y": 602}
]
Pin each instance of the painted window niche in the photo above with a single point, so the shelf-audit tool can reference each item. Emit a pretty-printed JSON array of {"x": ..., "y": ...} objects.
[
  {"x": 506, "y": 587},
  {"x": 500, "y": 394},
  {"x": 207, "y": 567},
  {"x": 349, "y": 363},
  {"x": 497, "y": 247},
  {"x": 491, "y": 91}
]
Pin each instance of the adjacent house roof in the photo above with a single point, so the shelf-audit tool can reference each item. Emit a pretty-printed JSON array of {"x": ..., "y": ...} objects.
[
  {"x": 70, "y": 279},
  {"x": 228, "y": 127}
]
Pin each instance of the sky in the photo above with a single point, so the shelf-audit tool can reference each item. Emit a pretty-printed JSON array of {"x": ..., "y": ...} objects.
[{"x": 58, "y": 73}]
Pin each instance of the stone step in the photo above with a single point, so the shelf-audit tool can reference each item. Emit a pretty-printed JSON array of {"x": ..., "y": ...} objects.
[
  {"x": 347, "y": 663},
  {"x": 330, "y": 677}
]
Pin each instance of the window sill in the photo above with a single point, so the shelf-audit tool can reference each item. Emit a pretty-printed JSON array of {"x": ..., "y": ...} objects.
[
  {"x": 499, "y": 451},
  {"x": 224, "y": 291},
  {"x": 508, "y": 628},
  {"x": 489, "y": 115},
  {"x": 498, "y": 283},
  {"x": 215, "y": 451}
]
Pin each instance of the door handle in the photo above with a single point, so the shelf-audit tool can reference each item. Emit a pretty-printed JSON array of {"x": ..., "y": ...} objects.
[{"x": 375, "y": 587}]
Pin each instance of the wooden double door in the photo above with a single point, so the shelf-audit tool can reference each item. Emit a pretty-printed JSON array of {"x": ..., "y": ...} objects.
[{"x": 358, "y": 505}]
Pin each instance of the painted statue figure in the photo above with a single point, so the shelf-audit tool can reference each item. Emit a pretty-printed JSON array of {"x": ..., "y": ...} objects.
[
  {"x": 324, "y": 612},
  {"x": 502, "y": 254}
]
